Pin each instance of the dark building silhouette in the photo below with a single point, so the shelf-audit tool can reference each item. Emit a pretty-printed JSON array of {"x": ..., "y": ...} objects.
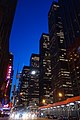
[
  {"x": 71, "y": 21},
  {"x": 62, "y": 86},
  {"x": 45, "y": 87},
  {"x": 73, "y": 54},
  {"x": 7, "y": 10},
  {"x": 70, "y": 11}
]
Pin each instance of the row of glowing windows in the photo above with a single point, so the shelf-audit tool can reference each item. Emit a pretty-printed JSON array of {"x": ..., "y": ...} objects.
[
  {"x": 35, "y": 58},
  {"x": 65, "y": 73},
  {"x": 44, "y": 60},
  {"x": 66, "y": 85}
]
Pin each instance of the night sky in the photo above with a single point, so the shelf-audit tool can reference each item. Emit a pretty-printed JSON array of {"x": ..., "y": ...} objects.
[{"x": 30, "y": 21}]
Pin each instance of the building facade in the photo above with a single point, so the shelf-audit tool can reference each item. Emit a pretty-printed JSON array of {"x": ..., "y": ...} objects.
[
  {"x": 62, "y": 86},
  {"x": 45, "y": 89},
  {"x": 7, "y": 10},
  {"x": 8, "y": 82},
  {"x": 71, "y": 22},
  {"x": 23, "y": 91},
  {"x": 34, "y": 81},
  {"x": 27, "y": 94},
  {"x": 70, "y": 12},
  {"x": 73, "y": 54}
]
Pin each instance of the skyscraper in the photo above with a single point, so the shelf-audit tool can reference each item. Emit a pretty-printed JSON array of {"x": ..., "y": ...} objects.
[
  {"x": 23, "y": 95},
  {"x": 7, "y": 10},
  {"x": 34, "y": 81},
  {"x": 34, "y": 60},
  {"x": 28, "y": 88},
  {"x": 62, "y": 86},
  {"x": 71, "y": 22},
  {"x": 70, "y": 12},
  {"x": 45, "y": 87},
  {"x": 74, "y": 66}
]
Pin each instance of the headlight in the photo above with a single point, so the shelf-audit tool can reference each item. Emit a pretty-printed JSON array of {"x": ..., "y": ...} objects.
[
  {"x": 17, "y": 116},
  {"x": 11, "y": 116},
  {"x": 25, "y": 116}
]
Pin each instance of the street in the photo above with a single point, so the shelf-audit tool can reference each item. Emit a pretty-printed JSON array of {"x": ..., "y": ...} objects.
[{"x": 6, "y": 118}]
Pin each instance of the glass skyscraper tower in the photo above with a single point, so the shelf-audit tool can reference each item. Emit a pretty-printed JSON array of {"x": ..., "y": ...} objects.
[
  {"x": 45, "y": 85},
  {"x": 62, "y": 86},
  {"x": 70, "y": 11}
]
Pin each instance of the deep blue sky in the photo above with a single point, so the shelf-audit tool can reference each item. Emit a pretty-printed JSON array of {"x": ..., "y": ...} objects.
[{"x": 30, "y": 21}]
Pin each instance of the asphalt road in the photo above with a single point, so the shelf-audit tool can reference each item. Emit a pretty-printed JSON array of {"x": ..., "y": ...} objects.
[{"x": 6, "y": 118}]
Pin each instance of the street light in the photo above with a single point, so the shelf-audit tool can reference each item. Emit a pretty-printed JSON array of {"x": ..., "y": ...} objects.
[
  {"x": 43, "y": 101},
  {"x": 21, "y": 94},
  {"x": 33, "y": 72},
  {"x": 60, "y": 94}
]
